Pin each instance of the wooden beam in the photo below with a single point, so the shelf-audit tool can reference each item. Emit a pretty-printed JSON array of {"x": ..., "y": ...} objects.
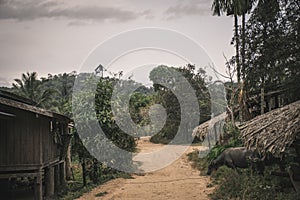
[
  {"x": 4, "y": 115},
  {"x": 18, "y": 175},
  {"x": 7, "y": 168},
  {"x": 51, "y": 163}
]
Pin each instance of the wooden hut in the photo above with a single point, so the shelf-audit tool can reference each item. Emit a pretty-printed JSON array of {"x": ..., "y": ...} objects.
[
  {"x": 276, "y": 133},
  {"x": 32, "y": 145}
]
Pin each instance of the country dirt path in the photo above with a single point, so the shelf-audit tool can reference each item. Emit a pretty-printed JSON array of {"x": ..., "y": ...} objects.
[{"x": 176, "y": 181}]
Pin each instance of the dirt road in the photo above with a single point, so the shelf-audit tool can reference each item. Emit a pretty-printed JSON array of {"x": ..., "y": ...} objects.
[{"x": 176, "y": 181}]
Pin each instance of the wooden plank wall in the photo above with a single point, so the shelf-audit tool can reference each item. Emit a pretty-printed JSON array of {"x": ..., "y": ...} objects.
[{"x": 20, "y": 138}]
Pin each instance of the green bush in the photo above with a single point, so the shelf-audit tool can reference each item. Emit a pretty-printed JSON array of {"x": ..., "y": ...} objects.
[
  {"x": 75, "y": 189},
  {"x": 230, "y": 139},
  {"x": 245, "y": 184},
  {"x": 248, "y": 185},
  {"x": 218, "y": 149}
]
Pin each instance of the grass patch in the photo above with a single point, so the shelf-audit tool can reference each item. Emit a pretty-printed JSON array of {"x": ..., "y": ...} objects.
[{"x": 248, "y": 185}]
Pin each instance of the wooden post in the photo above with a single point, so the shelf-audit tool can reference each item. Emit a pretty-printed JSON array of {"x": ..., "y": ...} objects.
[
  {"x": 38, "y": 187},
  {"x": 62, "y": 175},
  {"x": 269, "y": 103},
  {"x": 277, "y": 101},
  {"x": 262, "y": 102},
  {"x": 49, "y": 181},
  {"x": 56, "y": 178}
]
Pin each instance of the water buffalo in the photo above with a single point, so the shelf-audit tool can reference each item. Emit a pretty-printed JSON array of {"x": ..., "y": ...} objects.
[{"x": 239, "y": 157}]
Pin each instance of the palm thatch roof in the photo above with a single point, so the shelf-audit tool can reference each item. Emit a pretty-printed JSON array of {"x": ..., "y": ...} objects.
[
  {"x": 203, "y": 129},
  {"x": 273, "y": 132}
]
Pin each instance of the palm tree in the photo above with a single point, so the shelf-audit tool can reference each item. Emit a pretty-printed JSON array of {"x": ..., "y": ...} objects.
[
  {"x": 64, "y": 85},
  {"x": 236, "y": 8},
  {"x": 231, "y": 7},
  {"x": 30, "y": 87}
]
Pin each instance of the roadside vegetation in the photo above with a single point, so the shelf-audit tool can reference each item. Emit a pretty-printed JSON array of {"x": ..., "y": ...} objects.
[
  {"x": 75, "y": 189},
  {"x": 266, "y": 66},
  {"x": 244, "y": 183}
]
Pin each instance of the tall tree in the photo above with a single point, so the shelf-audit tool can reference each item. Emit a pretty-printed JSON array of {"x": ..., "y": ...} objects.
[
  {"x": 272, "y": 49},
  {"x": 236, "y": 8},
  {"x": 247, "y": 7},
  {"x": 168, "y": 99}
]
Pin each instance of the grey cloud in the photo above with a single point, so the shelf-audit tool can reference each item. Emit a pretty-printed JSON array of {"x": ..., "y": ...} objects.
[
  {"x": 189, "y": 7},
  {"x": 77, "y": 23},
  {"x": 29, "y": 10},
  {"x": 147, "y": 14},
  {"x": 94, "y": 13}
]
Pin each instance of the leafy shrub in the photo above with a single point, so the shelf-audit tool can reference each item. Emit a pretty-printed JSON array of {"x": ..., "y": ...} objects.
[
  {"x": 230, "y": 139},
  {"x": 218, "y": 149},
  {"x": 167, "y": 98},
  {"x": 249, "y": 185}
]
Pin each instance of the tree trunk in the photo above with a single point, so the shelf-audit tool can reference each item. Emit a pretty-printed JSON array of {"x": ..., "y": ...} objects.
[
  {"x": 95, "y": 171},
  {"x": 237, "y": 45},
  {"x": 83, "y": 172},
  {"x": 68, "y": 162},
  {"x": 243, "y": 46}
]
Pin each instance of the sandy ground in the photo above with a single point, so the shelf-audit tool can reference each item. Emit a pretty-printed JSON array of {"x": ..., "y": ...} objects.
[{"x": 176, "y": 181}]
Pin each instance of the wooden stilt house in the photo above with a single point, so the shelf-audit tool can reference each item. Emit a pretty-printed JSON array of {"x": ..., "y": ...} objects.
[{"x": 32, "y": 147}]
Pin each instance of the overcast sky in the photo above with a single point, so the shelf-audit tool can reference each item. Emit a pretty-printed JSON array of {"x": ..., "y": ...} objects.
[{"x": 57, "y": 36}]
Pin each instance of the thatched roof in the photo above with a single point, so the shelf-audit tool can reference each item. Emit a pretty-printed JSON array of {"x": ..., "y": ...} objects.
[
  {"x": 203, "y": 129},
  {"x": 273, "y": 132}
]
